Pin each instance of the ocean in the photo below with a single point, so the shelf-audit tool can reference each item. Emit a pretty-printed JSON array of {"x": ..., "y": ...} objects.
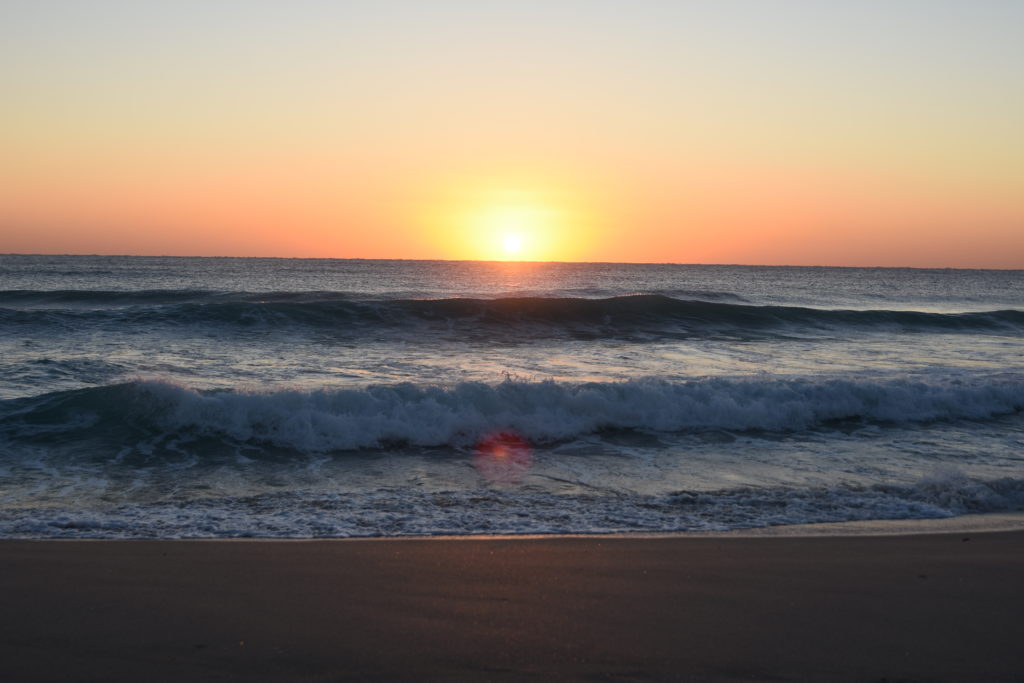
[{"x": 243, "y": 397}]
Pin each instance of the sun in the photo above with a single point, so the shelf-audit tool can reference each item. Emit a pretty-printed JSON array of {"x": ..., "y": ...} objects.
[
  {"x": 515, "y": 229},
  {"x": 512, "y": 243},
  {"x": 507, "y": 223}
]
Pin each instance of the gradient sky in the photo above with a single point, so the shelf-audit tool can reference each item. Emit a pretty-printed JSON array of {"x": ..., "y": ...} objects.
[{"x": 758, "y": 131}]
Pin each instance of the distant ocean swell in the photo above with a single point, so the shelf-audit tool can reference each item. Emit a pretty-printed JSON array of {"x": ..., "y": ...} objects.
[
  {"x": 93, "y": 298},
  {"x": 621, "y": 314},
  {"x": 459, "y": 415},
  {"x": 402, "y": 511}
]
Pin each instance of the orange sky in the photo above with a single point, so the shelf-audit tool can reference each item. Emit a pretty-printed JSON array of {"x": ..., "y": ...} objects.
[{"x": 779, "y": 132}]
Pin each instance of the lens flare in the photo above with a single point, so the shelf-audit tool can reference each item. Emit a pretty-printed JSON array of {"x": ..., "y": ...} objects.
[{"x": 503, "y": 457}]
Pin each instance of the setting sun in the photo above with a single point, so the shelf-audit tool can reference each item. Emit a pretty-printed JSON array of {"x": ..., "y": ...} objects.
[
  {"x": 512, "y": 242},
  {"x": 520, "y": 227},
  {"x": 539, "y": 220}
]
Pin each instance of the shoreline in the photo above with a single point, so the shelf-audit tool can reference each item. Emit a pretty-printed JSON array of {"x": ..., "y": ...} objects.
[{"x": 984, "y": 523}]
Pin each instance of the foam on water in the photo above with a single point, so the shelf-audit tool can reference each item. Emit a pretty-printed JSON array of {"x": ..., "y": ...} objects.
[
  {"x": 402, "y": 512},
  {"x": 388, "y": 415}
]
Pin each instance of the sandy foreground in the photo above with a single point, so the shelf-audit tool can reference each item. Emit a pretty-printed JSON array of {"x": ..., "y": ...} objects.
[{"x": 937, "y": 607}]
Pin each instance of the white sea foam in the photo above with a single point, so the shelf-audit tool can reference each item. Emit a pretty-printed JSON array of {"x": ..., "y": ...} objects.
[
  {"x": 328, "y": 420},
  {"x": 403, "y": 511}
]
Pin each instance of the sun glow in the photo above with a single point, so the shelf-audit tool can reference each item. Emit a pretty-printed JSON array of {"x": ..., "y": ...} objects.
[
  {"x": 513, "y": 221},
  {"x": 519, "y": 228}
]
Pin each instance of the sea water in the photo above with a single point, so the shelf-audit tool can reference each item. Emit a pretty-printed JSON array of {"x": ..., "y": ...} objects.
[{"x": 222, "y": 397}]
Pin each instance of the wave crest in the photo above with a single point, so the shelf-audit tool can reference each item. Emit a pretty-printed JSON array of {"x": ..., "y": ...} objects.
[{"x": 459, "y": 415}]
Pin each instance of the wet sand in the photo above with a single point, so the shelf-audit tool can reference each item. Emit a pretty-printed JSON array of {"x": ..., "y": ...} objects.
[{"x": 947, "y": 607}]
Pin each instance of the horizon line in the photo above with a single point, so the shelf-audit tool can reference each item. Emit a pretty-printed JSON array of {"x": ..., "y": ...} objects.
[{"x": 507, "y": 261}]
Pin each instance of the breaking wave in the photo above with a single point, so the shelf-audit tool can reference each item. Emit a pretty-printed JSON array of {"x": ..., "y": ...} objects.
[{"x": 459, "y": 415}]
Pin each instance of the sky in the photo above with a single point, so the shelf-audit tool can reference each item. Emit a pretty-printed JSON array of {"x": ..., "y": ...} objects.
[{"x": 867, "y": 133}]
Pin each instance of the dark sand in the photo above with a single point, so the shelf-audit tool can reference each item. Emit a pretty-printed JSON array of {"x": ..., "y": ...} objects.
[{"x": 901, "y": 608}]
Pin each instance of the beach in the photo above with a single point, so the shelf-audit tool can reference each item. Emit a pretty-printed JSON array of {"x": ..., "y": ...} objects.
[{"x": 925, "y": 607}]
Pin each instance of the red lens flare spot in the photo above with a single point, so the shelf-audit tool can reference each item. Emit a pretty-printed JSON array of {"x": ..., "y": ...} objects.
[{"x": 503, "y": 457}]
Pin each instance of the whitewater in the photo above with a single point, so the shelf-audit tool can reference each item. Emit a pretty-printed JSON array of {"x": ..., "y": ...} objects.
[{"x": 216, "y": 397}]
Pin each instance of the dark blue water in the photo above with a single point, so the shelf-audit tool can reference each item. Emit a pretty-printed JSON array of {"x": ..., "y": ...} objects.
[{"x": 168, "y": 397}]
